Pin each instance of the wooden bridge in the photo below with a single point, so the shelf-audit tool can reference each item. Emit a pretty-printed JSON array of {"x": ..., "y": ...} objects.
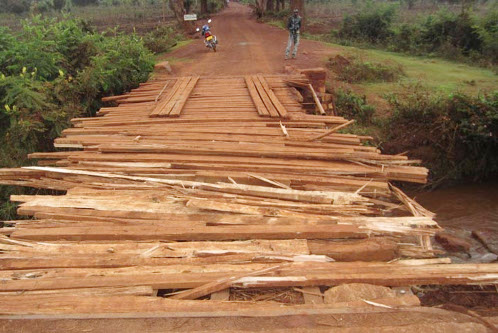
[{"x": 197, "y": 200}]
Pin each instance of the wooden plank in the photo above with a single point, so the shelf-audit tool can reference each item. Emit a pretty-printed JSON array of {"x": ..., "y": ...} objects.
[
  {"x": 260, "y": 107},
  {"x": 264, "y": 97},
  {"x": 316, "y": 99},
  {"x": 182, "y": 99},
  {"x": 221, "y": 284},
  {"x": 174, "y": 98},
  {"x": 90, "y": 292},
  {"x": 333, "y": 130},
  {"x": 188, "y": 234},
  {"x": 163, "y": 104},
  {"x": 158, "y": 106},
  {"x": 294, "y": 275},
  {"x": 273, "y": 98}
]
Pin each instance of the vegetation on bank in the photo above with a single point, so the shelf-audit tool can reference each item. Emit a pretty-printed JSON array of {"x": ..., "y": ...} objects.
[
  {"x": 454, "y": 133},
  {"x": 52, "y": 71}
]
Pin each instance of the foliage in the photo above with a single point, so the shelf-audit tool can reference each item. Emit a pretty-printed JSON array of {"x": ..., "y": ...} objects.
[
  {"x": 445, "y": 33},
  {"x": 161, "y": 39},
  {"x": 352, "y": 106},
  {"x": 354, "y": 70},
  {"x": 488, "y": 32},
  {"x": 448, "y": 27},
  {"x": 14, "y": 6},
  {"x": 54, "y": 71},
  {"x": 371, "y": 24},
  {"x": 456, "y": 134}
]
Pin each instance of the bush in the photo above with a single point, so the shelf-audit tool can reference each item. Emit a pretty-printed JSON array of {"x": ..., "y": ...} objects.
[
  {"x": 456, "y": 134},
  {"x": 405, "y": 39},
  {"x": 488, "y": 32},
  {"x": 445, "y": 28},
  {"x": 352, "y": 106},
  {"x": 161, "y": 39},
  {"x": 51, "y": 72},
  {"x": 354, "y": 70},
  {"x": 454, "y": 36},
  {"x": 371, "y": 24},
  {"x": 14, "y": 6},
  {"x": 54, "y": 71}
]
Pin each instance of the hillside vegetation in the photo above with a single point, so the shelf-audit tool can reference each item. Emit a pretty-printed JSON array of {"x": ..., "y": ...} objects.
[{"x": 52, "y": 71}]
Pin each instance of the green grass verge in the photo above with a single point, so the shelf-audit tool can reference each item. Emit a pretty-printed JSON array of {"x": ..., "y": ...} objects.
[
  {"x": 277, "y": 23},
  {"x": 165, "y": 55},
  {"x": 443, "y": 75}
]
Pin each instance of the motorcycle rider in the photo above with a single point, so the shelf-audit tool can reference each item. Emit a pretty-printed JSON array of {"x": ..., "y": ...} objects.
[
  {"x": 205, "y": 28},
  {"x": 294, "y": 27}
]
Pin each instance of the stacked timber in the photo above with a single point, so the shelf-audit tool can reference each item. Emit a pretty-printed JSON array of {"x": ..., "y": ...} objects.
[{"x": 189, "y": 187}]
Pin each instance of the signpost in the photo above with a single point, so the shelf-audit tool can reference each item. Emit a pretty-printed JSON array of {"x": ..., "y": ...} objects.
[{"x": 190, "y": 17}]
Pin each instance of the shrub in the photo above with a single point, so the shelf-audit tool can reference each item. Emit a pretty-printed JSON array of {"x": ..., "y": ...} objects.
[
  {"x": 14, "y": 6},
  {"x": 371, "y": 24},
  {"x": 447, "y": 34},
  {"x": 405, "y": 38},
  {"x": 459, "y": 31},
  {"x": 352, "y": 106},
  {"x": 161, "y": 39},
  {"x": 355, "y": 70},
  {"x": 456, "y": 134},
  {"x": 488, "y": 32},
  {"x": 53, "y": 71}
]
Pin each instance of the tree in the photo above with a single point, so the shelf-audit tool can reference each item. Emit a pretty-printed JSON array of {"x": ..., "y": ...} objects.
[
  {"x": 204, "y": 6},
  {"x": 260, "y": 6},
  {"x": 279, "y": 5},
  {"x": 178, "y": 8},
  {"x": 299, "y": 5},
  {"x": 270, "y": 5}
]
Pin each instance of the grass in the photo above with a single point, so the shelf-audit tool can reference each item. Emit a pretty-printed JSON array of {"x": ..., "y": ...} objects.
[
  {"x": 174, "y": 60},
  {"x": 181, "y": 43},
  {"x": 435, "y": 73},
  {"x": 277, "y": 23}
]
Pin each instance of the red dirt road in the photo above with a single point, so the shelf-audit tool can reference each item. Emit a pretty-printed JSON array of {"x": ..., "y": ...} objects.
[{"x": 245, "y": 47}]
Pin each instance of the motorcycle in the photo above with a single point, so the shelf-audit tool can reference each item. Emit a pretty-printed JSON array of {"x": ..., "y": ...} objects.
[{"x": 209, "y": 39}]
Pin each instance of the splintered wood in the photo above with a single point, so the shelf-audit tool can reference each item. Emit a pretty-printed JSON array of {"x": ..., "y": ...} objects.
[{"x": 191, "y": 186}]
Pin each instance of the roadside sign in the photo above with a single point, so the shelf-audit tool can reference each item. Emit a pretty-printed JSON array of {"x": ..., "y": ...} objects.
[{"x": 190, "y": 17}]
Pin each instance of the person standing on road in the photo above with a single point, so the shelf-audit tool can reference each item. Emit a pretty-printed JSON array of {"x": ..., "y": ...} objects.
[{"x": 294, "y": 27}]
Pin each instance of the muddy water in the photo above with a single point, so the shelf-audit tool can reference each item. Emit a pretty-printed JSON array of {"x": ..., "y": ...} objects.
[{"x": 466, "y": 207}]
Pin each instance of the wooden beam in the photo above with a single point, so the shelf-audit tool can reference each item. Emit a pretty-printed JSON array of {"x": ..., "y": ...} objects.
[
  {"x": 333, "y": 130},
  {"x": 317, "y": 100},
  {"x": 221, "y": 284}
]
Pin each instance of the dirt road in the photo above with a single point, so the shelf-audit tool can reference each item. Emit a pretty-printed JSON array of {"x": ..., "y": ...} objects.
[{"x": 245, "y": 47}]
